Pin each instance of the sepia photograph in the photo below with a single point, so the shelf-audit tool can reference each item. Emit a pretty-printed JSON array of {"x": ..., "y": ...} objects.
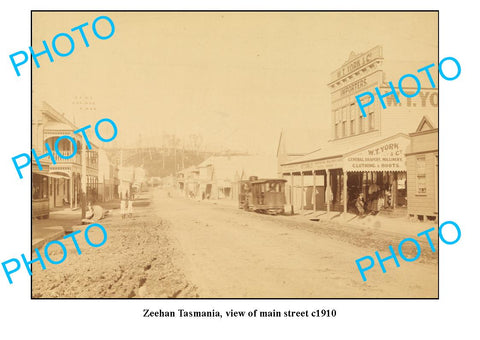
[{"x": 234, "y": 154}]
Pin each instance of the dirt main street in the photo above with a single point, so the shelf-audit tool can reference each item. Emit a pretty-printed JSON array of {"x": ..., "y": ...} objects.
[
  {"x": 178, "y": 247},
  {"x": 227, "y": 252}
]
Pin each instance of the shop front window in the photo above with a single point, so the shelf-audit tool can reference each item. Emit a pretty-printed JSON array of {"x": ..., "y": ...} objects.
[
  {"x": 352, "y": 119},
  {"x": 421, "y": 184},
  {"x": 39, "y": 187},
  {"x": 337, "y": 124},
  {"x": 371, "y": 120},
  {"x": 421, "y": 176}
]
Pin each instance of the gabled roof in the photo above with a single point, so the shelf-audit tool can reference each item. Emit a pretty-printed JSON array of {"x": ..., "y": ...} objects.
[
  {"x": 298, "y": 142},
  {"x": 426, "y": 124},
  {"x": 58, "y": 121},
  {"x": 56, "y": 116}
]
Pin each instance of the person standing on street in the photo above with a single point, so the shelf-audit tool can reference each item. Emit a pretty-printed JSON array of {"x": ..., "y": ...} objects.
[
  {"x": 130, "y": 207},
  {"x": 360, "y": 204},
  {"x": 123, "y": 205}
]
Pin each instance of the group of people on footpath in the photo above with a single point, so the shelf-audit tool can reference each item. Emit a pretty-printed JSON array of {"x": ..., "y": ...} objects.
[
  {"x": 376, "y": 205},
  {"x": 126, "y": 204}
]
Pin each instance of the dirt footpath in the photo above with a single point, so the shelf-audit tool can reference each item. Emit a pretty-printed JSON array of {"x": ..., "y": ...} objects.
[
  {"x": 136, "y": 261},
  {"x": 227, "y": 252}
]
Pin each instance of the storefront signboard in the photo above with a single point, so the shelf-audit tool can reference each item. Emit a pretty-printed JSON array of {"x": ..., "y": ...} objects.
[{"x": 387, "y": 155}]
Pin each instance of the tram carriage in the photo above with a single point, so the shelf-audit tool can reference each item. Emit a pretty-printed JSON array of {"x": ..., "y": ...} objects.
[{"x": 262, "y": 195}]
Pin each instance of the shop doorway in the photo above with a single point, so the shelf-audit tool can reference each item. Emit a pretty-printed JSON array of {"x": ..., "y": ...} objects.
[{"x": 382, "y": 190}]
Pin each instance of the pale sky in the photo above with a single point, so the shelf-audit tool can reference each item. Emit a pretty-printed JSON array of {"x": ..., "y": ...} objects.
[{"x": 236, "y": 78}]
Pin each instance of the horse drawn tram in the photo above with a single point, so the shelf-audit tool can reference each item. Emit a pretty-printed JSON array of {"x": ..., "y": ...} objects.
[{"x": 262, "y": 195}]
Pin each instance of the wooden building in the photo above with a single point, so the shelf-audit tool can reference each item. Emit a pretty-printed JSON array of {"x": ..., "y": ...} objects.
[
  {"x": 422, "y": 171},
  {"x": 218, "y": 177},
  {"x": 62, "y": 179},
  {"x": 364, "y": 154}
]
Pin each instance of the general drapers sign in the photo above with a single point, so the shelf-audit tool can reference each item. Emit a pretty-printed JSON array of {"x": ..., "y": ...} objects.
[{"x": 384, "y": 156}]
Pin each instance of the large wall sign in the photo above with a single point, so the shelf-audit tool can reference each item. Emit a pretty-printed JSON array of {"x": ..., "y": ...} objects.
[{"x": 387, "y": 155}]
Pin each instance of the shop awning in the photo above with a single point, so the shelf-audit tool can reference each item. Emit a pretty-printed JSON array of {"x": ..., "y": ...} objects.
[
  {"x": 385, "y": 154},
  {"x": 52, "y": 175}
]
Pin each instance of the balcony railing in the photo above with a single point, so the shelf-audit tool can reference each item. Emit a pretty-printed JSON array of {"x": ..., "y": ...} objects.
[
  {"x": 77, "y": 159},
  {"x": 92, "y": 165}
]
